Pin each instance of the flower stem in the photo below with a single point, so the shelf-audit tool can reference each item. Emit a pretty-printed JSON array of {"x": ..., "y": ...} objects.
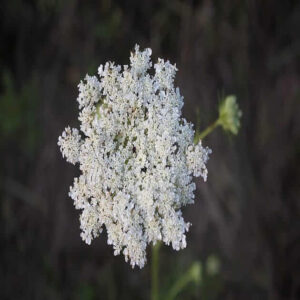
[
  {"x": 155, "y": 271},
  {"x": 193, "y": 274},
  {"x": 208, "y": 130}
]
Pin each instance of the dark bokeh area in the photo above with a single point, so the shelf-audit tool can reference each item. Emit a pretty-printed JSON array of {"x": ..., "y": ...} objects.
[{"x": 246, "y": 216}]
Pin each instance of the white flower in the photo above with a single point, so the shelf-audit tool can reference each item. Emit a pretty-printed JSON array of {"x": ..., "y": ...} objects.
[
  {"x": 136, "y": 156},
  {"x": 89, "y": 92},
  {"x": 194, "y": 163},
  {"x": 70, "y": 143}
]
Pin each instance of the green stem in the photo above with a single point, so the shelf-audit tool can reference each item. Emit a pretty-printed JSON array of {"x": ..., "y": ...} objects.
[
  {"x": 192, "y": 275},
  {"x": 208, "y": 130},
  {"x": 155, "y": 271}
]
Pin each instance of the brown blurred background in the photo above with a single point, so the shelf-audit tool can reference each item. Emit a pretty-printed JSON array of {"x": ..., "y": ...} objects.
[{"x": 246, "y": 216}]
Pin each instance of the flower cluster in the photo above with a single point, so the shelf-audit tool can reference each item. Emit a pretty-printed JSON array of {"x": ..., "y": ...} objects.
[
  {"x": 230, "y": 115},
  {"x": 136, "y": 156}
]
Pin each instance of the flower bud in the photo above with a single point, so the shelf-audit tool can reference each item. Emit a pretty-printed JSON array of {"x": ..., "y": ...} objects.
[{"x": 229, "y": 115}]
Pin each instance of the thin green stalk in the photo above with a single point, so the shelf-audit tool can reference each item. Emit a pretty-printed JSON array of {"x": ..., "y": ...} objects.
[
  {"x": 155, "y": 272},
  {"x": 208, "y": 130},
  {"x": 193, "y": 274}
]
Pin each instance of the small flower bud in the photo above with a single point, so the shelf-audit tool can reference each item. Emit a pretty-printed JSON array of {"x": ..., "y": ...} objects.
[{"x": 229, "y": 115}]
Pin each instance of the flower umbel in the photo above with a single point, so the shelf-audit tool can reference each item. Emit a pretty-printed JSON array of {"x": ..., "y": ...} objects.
[
  {"x": 136, "y": 155},
  {"x": 230, "y": 114}
]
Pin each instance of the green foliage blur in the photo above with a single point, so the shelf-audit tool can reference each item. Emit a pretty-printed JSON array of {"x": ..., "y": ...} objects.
[{"x": 19, "y": 114}]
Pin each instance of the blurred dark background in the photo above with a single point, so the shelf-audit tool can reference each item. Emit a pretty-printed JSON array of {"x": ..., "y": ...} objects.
[{"x": 246, "y": 216}]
